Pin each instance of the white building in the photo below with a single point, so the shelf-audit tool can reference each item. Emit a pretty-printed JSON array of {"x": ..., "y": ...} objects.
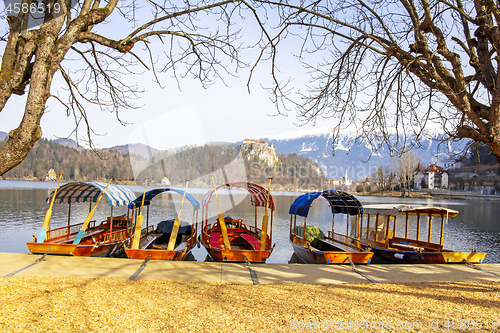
[
  {"x": 432, "y": 177},
  {"x": 165, "y": 181},
  {"x": 51, "y": 176}
]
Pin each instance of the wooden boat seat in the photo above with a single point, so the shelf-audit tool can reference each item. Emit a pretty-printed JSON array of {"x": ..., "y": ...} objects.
[
  {"x": 182, "y": 245},
  {"x": 71, "y": 238},
  {"x": 251, "y": 240},
  {"x": 340, "y": 246},
  {"x": 214, "y": 240},
  {"x": 407, "y": 247},
  {"x": 146, "y": 241},
  {"x": 314, "y": 249}
]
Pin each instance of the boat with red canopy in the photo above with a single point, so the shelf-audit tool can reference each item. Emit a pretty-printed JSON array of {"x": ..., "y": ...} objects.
[
  {"x": 154, "y": 241},
  {"x": 228, "y": 239},
  {"x": 314, "y": 247}
]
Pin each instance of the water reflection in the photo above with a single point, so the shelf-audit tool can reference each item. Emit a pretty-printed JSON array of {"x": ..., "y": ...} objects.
[{"x": 23, "y": 207}]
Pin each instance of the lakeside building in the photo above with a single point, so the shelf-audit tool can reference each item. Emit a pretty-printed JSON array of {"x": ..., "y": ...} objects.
[
  {"x": 432, "y": 177},
  {"x": 51, "y": 176}
]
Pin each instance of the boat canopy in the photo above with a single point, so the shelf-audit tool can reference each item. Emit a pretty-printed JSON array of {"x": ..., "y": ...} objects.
[
  {"x": 393, "y": 210},
  {"x": 340, "y": 202},
  {"x": 259, "y": 194},
  {"x": 153, "y": 193},
  {"x": 116, "y": 195}
]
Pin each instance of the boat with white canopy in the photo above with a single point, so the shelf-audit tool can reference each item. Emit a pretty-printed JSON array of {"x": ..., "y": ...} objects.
[
  {"x": 404, "y": 234},
  {"x": 88, "y": 237}
]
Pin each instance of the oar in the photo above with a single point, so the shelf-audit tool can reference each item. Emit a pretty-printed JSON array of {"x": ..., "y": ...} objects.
[
  {"x": 89, "y": 217},
  {"x": 222, "y": 224},
  {"x": 263, "y": 233},
  {"x": 138, "y": 223},
  {"x": 48, "y": 215},
  {"x": 177, "y": 224}
]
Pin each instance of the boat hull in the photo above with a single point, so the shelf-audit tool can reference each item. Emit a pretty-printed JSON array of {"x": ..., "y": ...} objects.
[
  {"x": 250, "y": 250},
  {"x": 157, "y": 254},
  {"x": 414, "y": 257},
  {"x": 253, "y": 256},
  {"x": 311, "y": 256},
  {"x": 85, "y": 250}
]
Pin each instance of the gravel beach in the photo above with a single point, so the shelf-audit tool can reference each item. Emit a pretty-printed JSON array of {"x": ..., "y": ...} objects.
[{"x": 53, "y": 304}]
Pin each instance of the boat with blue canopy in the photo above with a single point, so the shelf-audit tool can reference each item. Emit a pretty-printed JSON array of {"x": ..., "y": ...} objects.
[
  {"x": 314, "y": 247},
  {"x": 154, "y": 241},
  {"x": 88, "y": 237}
]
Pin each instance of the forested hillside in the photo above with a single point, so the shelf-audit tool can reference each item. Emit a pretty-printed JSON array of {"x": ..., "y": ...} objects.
[
  {"x": 187, "y": 163},
  {"x": 82, "y": 165}
]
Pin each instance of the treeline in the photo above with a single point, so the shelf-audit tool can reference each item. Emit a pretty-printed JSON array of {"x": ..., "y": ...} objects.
[
  {"x": 481, "y": 155},
  {"x": 194, "y": 163},
  {"x": 189, "y": 163},
  {"x": 76, "y": 165}
]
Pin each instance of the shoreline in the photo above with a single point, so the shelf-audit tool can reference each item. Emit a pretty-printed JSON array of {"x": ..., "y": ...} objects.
[{"x": 451, "y": 194}]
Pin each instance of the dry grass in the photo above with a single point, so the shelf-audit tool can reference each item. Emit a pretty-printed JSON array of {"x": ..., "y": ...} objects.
[{"x": 46, "y": 304}]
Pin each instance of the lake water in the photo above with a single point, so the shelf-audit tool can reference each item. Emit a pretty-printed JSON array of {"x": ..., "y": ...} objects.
[{"x": 23, "y": 207}]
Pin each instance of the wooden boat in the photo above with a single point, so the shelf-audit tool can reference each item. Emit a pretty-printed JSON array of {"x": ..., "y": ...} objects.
[
  {"x": 312, "y": 246},
  {"x": 154, "y": 241},
  {"x": 245, "y": 241},
  {"x": 379, "y": 226},
  {"x": 88, "y": 238}
]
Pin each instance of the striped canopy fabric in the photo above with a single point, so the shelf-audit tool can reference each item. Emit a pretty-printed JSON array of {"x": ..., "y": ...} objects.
[
  {"x": 151, "y": 194},
  {"x": 116, "y": 195},
  {"x": 259, "y": 194},
  {"x": 340, "y": 202}
]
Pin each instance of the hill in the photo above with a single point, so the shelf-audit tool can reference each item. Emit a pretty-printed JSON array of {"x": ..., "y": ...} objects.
[
  {"x": 253, "y": 162},
  {"x": 82, "y": 165},
  {"x": 135, "y": 148},
  {"x": 243, "y": 162}
]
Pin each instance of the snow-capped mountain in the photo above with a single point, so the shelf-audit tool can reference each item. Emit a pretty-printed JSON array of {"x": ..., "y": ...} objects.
[{"x": 359, "y": 161}]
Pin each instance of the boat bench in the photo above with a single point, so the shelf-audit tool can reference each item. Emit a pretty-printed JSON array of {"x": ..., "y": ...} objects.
[
  {"x": 251, "y": 240},
  {"x": 407, "y": 247},
  {"x": 72, "y": 237},
  {"x": 314, "y": 249},
  {"x": 340, "y": 246},
  {"x": 214, "y": 240}
]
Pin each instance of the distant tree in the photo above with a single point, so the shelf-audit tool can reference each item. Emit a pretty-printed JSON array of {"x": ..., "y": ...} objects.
[
  {"x": 405, "y": 167},
  {"x": 382, "y": 177}
]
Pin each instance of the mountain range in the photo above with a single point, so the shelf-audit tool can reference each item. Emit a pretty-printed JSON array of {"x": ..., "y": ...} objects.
[{"x": 354, "y": 161}]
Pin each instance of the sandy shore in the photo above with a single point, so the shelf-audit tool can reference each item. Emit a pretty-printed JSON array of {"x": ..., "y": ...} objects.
[{"x": 43, "y": 304}]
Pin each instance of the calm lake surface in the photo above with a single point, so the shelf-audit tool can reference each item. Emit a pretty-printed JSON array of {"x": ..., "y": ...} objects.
[{"x": 23, "y": 207}]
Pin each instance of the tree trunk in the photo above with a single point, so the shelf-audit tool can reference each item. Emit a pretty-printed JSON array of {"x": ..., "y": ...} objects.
[{"x": 22, "y": 139}]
